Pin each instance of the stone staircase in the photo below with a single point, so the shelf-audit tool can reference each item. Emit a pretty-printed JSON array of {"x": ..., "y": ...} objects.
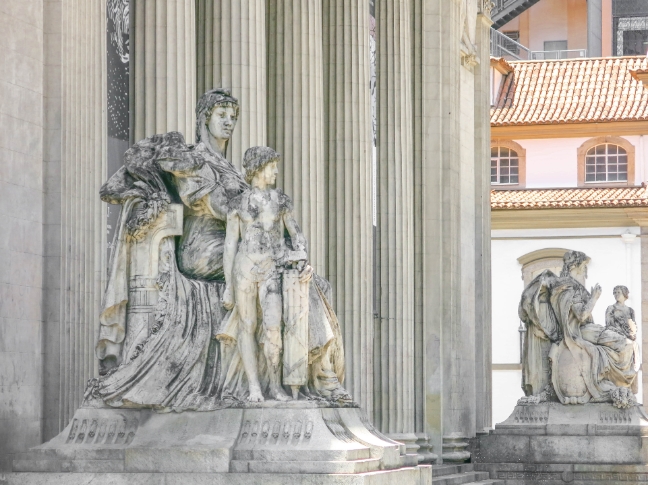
[{"x": 459, "y": 475}]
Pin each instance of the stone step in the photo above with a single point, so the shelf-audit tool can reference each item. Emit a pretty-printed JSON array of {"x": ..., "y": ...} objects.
[
  {"x": 446, "y": 469},
  {"x": 460, "y": 478},
  {"x": 488, "y": 482},
  {"x": 319, "y": 467}
]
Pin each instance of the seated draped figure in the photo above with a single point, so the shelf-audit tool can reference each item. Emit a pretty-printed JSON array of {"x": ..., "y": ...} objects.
[
  {"x": 167, "y": 341},
  {"x": 566, "y": 356}
]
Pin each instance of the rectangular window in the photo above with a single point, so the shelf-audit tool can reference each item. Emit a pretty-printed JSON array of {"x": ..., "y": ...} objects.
[{"x": 512, "y": 47}]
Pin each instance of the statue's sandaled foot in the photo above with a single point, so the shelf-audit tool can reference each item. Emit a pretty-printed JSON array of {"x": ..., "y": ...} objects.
[
  {"x": 255, "y": 395},
  {"x": 279, "y": 394}
]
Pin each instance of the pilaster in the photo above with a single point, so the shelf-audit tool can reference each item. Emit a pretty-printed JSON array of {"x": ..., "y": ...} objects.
[
  {"x": 394, "y": 405},
  {"x": 296, "y": 113},
  {"x": 231, "y": 53},
  {"x": 347, "y": 149},
  {"x": 163, "y": 65}
]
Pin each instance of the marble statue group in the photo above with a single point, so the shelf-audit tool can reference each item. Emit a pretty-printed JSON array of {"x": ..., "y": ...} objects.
[
  {"x": 566, "y": 356},
  {"x": 211, "y": 302}
]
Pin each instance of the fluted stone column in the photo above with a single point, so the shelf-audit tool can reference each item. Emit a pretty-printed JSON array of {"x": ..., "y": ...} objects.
[
  {"x": 483, "y": 299},
  {"x": 163, "y": 68},
  {"x": 231, "y": 53},
  {"x": 74, "y": 162},
  {"x": 395, "y": 334},
  {"x": 296, "y": 113},
  {"x": 347, "y": 149},
  {"x": 452, "y": 226}
]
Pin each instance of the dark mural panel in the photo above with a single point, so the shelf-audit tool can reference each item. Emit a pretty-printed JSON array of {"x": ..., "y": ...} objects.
[
  {"x": 118, "y": 68},
  {"x": 117, "y": 58}
]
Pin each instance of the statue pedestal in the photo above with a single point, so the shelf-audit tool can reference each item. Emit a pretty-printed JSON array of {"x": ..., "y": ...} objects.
[
  {"x": 271, "y": 442},
  {"x": 556, "y": 443}
]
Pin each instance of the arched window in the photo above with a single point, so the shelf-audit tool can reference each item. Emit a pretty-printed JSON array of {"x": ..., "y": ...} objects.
[
  {"x": 505, "y": 166},
  {"x": 606, "y": 162}
]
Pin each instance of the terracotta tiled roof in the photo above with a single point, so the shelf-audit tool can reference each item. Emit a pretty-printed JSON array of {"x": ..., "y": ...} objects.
[
  {"x": 570, "y": 198},
  {"x": 572, "y": 91}
]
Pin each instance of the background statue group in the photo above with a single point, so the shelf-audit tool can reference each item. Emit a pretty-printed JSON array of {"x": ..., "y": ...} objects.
[
  {"x": 234, "y": 313},
  {"x": 566, "y": 356}
]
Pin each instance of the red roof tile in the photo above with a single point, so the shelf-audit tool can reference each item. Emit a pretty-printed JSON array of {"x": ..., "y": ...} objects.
[
  {"x": 569, "y": 198},
  {"x": 572, "y": 91}
]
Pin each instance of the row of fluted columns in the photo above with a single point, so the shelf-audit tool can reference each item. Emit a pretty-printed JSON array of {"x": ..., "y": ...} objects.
[
  {"x": 74, "y": 141},
  {"x": 301, "y": 71}
]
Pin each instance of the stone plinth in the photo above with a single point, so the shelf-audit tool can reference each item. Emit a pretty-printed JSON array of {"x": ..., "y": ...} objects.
[
  {"x": 558, "y": 443},
  {"x": 270, "y": 441},
  {"x": 420, "y": 475}
]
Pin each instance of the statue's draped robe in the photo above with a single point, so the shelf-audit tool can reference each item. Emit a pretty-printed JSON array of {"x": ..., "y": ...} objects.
[
  {"x": 181, "y": 365},
  {"x": 551, "y": 307}
]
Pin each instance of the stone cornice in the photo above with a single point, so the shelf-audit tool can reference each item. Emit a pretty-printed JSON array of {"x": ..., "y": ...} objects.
[
  {"x": 566, "y": 218},
  {"x": 570, "y": 130}
]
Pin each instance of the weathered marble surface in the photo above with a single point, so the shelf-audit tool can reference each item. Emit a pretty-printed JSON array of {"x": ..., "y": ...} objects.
[
  {"x": 291, "y": 437},
  {"x": 554, "y": 433},
  {"x": 179, "y": 324},
  {"x": 421, "y": 475},
  {"x": 589, "y": 362}
]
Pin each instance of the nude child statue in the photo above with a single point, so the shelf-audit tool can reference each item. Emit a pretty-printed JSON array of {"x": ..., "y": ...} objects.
[{"x": 256, "y": 252}]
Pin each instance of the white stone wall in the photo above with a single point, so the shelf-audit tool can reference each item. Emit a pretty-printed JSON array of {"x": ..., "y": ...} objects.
[
  {"x": 21, "y": 243},
  {"x": 614, "y": 262}
]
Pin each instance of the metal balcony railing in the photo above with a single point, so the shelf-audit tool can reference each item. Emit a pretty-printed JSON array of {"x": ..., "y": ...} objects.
[
  {"x": 564, "y": 54},
  {"x": 503, "y": 46}
]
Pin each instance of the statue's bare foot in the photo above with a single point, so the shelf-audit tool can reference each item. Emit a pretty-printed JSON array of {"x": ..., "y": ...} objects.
[
  {"x": 255, "y": 395},
  {"x": 279, "y": 394}
]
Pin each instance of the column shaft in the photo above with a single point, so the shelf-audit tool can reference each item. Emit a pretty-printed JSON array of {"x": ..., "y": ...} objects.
[
  {"x": 347, "y": 148},
  {"x": 428, "y": 187},
  {"x": 231, "y": 53},
  {"x": 163, "y": 56},
  {"x": 395, "y": 236},
  {"x": 483, "y": 299},
  {"x": 296, "y": 113},
  {"x": 74, "y": 230}
]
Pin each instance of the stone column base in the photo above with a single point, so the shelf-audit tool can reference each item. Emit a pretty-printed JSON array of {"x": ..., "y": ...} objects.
[{"x": 455, "y": 448}]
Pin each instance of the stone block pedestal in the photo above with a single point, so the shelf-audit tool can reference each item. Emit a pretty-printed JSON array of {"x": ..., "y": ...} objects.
[
  {"x": 555, "y": 443},
  {"x": 295, "y": 442}
]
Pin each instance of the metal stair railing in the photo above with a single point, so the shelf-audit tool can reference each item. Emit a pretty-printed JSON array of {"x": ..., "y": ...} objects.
[
  {"x": 502, "y": 45},
  {"x": 506, "y": 10}
]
